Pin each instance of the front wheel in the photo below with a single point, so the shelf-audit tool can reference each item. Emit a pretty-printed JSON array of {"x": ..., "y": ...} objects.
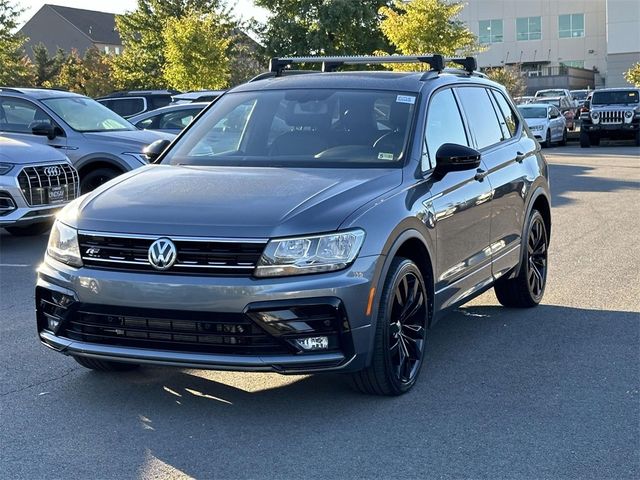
[
  {"x": 638, "y": 138},
  {"x": 526, "y": 290},
  {"x": 400, "y": 336},
  {"x": 547, "y": 141},
  {"x": 585, "y": 140},
  {"x": 97, "y": 177},
  {"x": 29, "y": 230},
  {"x": 563, "y": 142}
]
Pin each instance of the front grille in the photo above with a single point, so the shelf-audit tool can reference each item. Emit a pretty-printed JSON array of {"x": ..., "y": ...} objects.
[
  {"x": 38, "y": 183},
  {"x": 609, "y": 117},
  {"x": 195, "y": 255}
]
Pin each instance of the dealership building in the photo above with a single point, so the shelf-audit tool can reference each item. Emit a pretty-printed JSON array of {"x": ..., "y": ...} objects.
[{"x": 568, "y": 43}]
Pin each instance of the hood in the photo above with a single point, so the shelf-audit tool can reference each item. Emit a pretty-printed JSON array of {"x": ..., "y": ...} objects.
[
  {"x": 130, "y": 140},
  {"x": 232, "y": 201},
  {"x": 22, "y": 152},
  {"x": 536, "y": 121}
]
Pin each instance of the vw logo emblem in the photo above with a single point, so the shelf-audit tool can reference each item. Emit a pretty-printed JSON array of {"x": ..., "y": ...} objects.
[
  {"x": 52, "y": 171},
  {"x": 162, "y": 254}
]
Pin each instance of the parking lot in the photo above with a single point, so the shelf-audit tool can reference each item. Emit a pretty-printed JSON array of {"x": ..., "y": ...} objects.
[{"x": 551, "y": 392}]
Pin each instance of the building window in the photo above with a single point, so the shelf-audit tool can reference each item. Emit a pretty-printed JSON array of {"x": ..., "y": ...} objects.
[
  {"x": 490, "y": 31},
  {"x": 106, "y": 49},
  {"x": 528, "y": 28},
  {"x": 117, "y": 50},
  {"x": 573, "y": 63},
  {"x": 571, "y": 26}
]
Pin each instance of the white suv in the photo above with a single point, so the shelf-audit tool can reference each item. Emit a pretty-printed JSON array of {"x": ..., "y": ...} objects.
[{"x": 35, "y": 182}]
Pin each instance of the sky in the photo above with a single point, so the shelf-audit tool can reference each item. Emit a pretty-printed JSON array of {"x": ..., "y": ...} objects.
[{"x": 244, "y": 8}]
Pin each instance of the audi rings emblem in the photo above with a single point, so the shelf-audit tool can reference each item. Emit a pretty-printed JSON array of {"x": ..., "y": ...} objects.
[
  {"x": 52, "y": 171},
  {"x": 162, "y": 254}
]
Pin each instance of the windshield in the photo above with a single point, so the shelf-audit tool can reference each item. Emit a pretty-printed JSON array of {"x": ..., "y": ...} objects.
[
  {"x": 580, "y": 94},
  {"x": 550, "y": 93},
  {"x": 309, "y": 128},
  {"x": 618, "y": 96},
  {"x": 86, "y": 115},
  {"x": 533, "y": 112}
]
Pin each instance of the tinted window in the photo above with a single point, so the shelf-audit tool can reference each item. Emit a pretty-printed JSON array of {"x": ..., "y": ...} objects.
[
  {"x": 509, "y": 120},
  {"x": 481, "y": 117},
  {"x": 21, "y": 116},
  {"x": 444, "y": 125},
  {"x": 177, "y": 120},
  {"x": 125, "y": 107}
]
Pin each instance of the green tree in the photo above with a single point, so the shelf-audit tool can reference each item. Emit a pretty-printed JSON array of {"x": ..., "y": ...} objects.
[
  {"x": 15, "y": 67},
  {"x": 510, "y": 77},
  {"x": 322, "y": 27},
  {"x": 89, "y": 76},
  {"x": 633, "y": 75},
  {"x": 196, "y": 50},
  {"x": 141, "y": 62},
  {"x": 47, "y": 68},
  {"x": 427, "y": 26}
]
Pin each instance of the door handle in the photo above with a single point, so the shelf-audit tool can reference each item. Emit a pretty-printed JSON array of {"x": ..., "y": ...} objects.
[
  {"x": 480, "y": 174},
  {"x": 520, "y": 157}
]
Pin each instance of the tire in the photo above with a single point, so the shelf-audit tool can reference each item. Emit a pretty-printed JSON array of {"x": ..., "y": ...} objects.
[
  {"x": 638, "y": 138},
  {"x": 400, "y": 335},
  {"x": 563, "y": 142},
  {"x": 29, "y": 230},
  {"x": 527, "y": 289},
  {"x": 585, "y": 140},
  {"x": 547, "y": 141},
  {"x": 97, "y": 177},
  {"x": 104, "y": 365}
]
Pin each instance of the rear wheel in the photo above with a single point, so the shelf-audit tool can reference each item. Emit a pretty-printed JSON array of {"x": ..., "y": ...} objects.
[
  {"x": 526, "y": 290},
  {"x": 400, "y": 335},
  {"x": 97, "y": 177},
  {"x": 104, "y": 365},
  {"x": 29, "y": 230},
  {"x": 585, "y": 141}
]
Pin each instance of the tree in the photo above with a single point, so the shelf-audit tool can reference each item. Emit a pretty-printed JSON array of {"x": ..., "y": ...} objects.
[
  {"x": 427, "y": 26},
  {"x": 15, "y": 67},
  {"x": 510, "y": 77},
  {"x": 196, "y": 50},
  {"x": 323, "y": 27},
  {"x": 89, "y": 76},
  {"x": 633, "y": 75},
  {"x": 46, "y": 67},
  {"x": 140, "y": 64}
]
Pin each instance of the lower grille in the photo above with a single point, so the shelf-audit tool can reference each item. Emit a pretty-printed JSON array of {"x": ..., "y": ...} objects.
[{"x": 49, "y": 184}]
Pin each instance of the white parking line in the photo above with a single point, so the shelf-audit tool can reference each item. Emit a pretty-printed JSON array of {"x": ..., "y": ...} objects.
[{"x": 15, "y": 265}]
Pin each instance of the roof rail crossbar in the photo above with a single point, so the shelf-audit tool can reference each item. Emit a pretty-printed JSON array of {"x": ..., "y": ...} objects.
[
  {"x": 331, "y": 64},
  {"x": 467, "y": 63}
]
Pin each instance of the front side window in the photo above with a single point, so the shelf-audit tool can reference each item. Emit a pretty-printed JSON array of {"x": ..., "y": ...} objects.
[
  {"x": 309, "y": 128},
  {"x": 444, "y": 125},
  {"x": 528, "y": 28},
  {"x": 86, "y": 115},
  {"x": 481, "y": 116},
  {"x": 571, "y": 25},
  {"x": 490, "y": 31},
  {"x": 20, "y": 116}
]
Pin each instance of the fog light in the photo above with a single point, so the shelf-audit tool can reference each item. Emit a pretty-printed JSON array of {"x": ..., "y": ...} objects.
[
  {"x": 53, "y": 324},
  {"x": 313, "y": 343}
]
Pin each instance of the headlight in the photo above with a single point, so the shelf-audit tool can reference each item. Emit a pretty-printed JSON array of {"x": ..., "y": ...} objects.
[
  {"x": 63, "y": 244},
  {"x": 141, "y": 157},
  {"x": 5, "y": 168},
  {"x": 312, "y": 254},
  {"x": 537, "y": 127},
  {"x": 628, "y": 113}
]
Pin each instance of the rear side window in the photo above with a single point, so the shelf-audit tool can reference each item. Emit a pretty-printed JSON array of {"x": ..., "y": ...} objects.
[
  {"x": 508, "y": 120},
  {"x": 125, "y": 107},
  {"x": 444, "y": 125},
  {"x": 481, "y": 116}
]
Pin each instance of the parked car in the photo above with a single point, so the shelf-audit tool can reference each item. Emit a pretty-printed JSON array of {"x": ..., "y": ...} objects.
[
  {"x": 36, "y": 181},
  {"x": 580, "y": 96},
  {"x": 523, "y": 100},
  {"x": 612, "y": 113},
  {"x": 170, "y": 119},
  {"x": 100, "y": 144},
  {"x": 352, "y": 211},
  {"x": 197, "y": 96},
  {"x": 546, "y": 123},
  {"x": 134, "y": 102},
  {"x": 565, "y": 107},
  {"x": 557, "y": 92}
]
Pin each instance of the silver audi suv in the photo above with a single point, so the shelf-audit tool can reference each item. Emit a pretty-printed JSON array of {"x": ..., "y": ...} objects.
[{"x": 306, "y": 223}]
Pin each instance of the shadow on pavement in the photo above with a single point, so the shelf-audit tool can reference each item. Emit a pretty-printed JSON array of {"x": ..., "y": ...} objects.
[{"x": 546, "y": 392}]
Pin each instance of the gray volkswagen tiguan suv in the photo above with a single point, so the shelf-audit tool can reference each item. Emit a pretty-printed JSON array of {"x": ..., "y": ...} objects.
[{"x": 306, "y": 223}]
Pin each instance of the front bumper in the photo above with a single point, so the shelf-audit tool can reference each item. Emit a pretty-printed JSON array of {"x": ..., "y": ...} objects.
[
  {"x": 611, "y": 127},
  {"x": 218, "y": 296}
]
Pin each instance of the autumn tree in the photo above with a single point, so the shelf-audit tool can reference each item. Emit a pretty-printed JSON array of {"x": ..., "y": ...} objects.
[
  {"x": 322, "y": 27},
  {"x": 510, "y": 77},
  {"x": 46, "y": 67},
  {"x": 89, "y": 75},
  {"x": 427, "y": 26},
  {"x": 633, "y": 75},
  {"x": 15, "y": 67}
]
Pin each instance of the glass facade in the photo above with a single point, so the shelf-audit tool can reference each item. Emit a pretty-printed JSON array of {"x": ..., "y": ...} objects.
[
  {"x": 528, "y": 28},
  {"x": 490, "y": 31},
  {"x": 571, "y": 25}
]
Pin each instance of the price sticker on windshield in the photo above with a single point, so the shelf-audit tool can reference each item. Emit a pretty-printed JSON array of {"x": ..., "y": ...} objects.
[{"x": 406, "y": 99}]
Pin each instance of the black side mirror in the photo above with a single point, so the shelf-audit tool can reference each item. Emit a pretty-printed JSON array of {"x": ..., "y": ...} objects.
[
  {"x": 587, "y": 104},
  {"x": 44, "y": 129},
  {"x": 154, "y": 150},
  {"x": 452, "y": 157}
]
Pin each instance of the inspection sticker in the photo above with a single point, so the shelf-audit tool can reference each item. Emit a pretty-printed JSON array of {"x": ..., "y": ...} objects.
[
  {"x": 406, "y": 99},
  {"x": 385, "y": 156}
]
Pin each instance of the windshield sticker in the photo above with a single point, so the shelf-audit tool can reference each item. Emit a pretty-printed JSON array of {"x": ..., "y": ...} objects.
[
  {"x": 385, "y": 156},
  {"x": 406, "y": 99}
]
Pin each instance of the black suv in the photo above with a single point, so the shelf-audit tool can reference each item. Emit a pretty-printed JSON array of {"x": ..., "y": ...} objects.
[
  {"x": 134, "y": 102},
  {"x": 612, "y": 113},
  {"x": 306, "y": 223}
]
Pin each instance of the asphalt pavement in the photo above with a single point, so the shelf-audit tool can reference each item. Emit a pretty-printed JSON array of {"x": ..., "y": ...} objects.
[{"x": 551, "y": 392}]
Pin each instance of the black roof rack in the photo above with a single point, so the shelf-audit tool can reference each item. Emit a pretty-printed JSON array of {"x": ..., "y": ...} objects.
[
  {"x": 10, "y": 90},
  {"x": 330, "y": 64}
]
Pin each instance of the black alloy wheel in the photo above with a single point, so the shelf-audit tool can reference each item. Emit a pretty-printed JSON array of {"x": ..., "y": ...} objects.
[
  {"x": 97, "y": 177},
  {"x": 537, "y": 258}
]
